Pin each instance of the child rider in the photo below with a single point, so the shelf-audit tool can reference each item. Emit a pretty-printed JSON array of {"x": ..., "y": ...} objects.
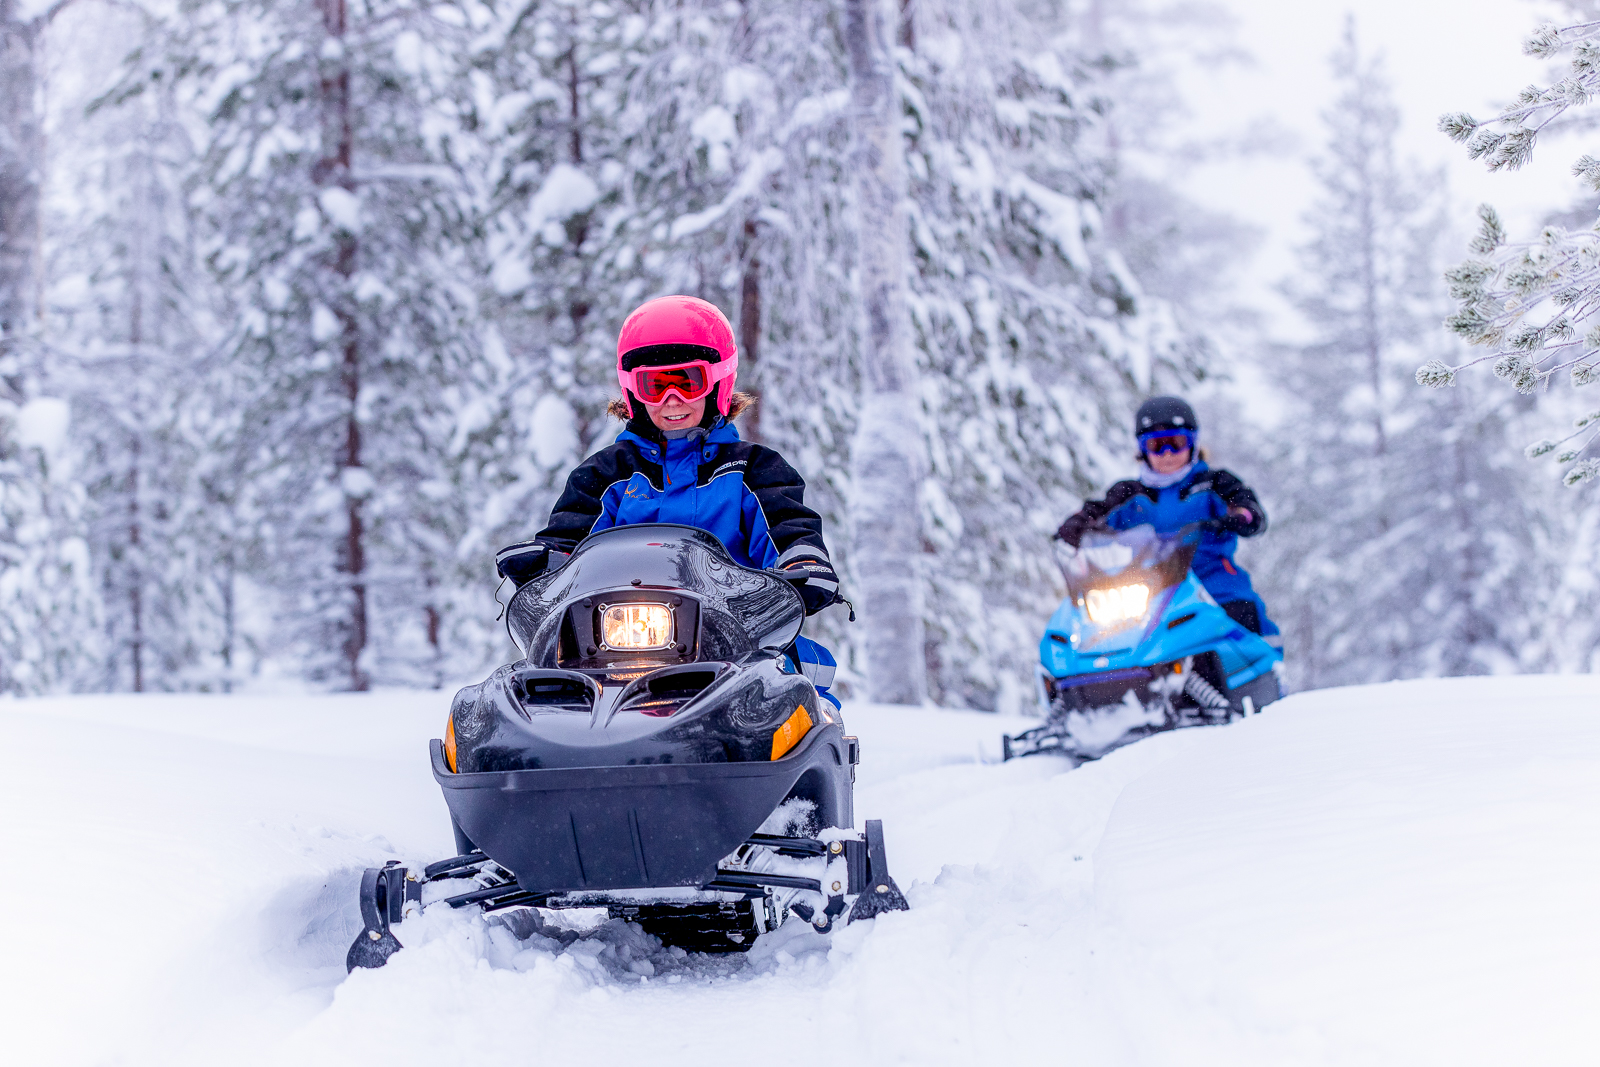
[
  {"x": 680, "y": 460},
  {"x": 1176, "y": 487}
]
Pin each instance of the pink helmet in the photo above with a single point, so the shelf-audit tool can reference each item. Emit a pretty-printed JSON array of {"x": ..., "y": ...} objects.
[{"x": 675, "y": 327}]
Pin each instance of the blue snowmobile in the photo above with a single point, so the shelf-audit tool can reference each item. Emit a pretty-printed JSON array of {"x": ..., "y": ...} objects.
[{"x": 1138, "y": 647}]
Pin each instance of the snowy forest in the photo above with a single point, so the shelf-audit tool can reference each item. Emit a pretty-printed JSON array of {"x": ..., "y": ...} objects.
[{"x": 308, "y": 306}]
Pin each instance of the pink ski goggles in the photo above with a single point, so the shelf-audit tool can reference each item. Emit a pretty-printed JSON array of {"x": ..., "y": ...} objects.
[{"x": 690, "y": 381}]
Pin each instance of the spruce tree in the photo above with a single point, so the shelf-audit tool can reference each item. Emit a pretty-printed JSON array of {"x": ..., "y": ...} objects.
[
  {"x": 48, "y": 607},
  {"x": 1398, "y": 544},
  {"x": 332, "y": 213},
  {"x": 127, "y": 307},
  {"x": 1035, "y": 339}
]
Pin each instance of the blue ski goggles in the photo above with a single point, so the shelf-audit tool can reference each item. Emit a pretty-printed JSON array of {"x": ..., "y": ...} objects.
[{"x": 1162, "y": 442}]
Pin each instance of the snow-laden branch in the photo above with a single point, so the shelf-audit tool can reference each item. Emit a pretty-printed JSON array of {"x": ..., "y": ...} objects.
[
  {"x": 1534, "y": 304},
  {"x": 1507, "y": 140},
  {"x": 765, "y": 162}
]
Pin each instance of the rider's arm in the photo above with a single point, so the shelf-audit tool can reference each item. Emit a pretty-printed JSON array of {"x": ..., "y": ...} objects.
[
  {"x": 795, "y": 530},
  {"x": 580, "y": 502},
  {"x": 1248, "y": 517},
  {"x": 1093, "y": 511}
]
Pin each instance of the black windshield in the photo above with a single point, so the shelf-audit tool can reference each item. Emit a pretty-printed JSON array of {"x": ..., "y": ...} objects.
[{"x": 739, "y": 610}]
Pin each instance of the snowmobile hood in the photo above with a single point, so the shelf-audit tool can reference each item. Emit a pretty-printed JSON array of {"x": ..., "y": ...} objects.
[
  {"x": 717, "y": 609},
  {"x": 649, "y": 646},
  {"x": 525, "y": 717}
]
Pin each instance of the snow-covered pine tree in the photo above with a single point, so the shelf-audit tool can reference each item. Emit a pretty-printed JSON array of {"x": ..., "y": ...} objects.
[
  {"x": 49, "y": 624},
  {"x": 598, "y": 158},
  {"x": 123, "y": 292},
  {"x": 762, "y": 222},
  {"x": 650, "y": 149},
  {"x": 22, "y": 24},
  {"x": 1535, "y": 304},
  {"x": 1400, "y": 539},
  {"x": 887, "y": 456},
  {"x": 49, "y": 619},
  {"x": 332, "y": 212},
  {"x": 1036, "y": 340}
]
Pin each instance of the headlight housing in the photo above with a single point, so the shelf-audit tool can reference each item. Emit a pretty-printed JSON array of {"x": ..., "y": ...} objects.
[
  {"x": 636, "y": 627},
  {"x": 1107, "y": 607}
]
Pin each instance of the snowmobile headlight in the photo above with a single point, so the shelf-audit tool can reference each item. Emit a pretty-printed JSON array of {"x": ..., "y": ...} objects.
[
  {"x": 1118, "y": 604},
  {"x": 639, "y": 627},
  {"x": 450, "y": 743}
]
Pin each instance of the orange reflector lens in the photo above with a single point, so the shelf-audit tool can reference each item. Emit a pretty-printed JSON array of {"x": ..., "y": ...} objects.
[
  {"x": 450, "y": 743},
  {"x": 789, "y": 734}
]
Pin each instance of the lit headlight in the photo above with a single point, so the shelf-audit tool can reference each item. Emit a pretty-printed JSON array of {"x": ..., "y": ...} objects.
[
  {"x": 1124, "y": 602},
  {"x": 636, "y": 626}
]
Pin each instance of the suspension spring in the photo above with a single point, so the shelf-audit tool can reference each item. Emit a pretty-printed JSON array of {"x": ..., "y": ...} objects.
[{"x": 1204, "y": 693}]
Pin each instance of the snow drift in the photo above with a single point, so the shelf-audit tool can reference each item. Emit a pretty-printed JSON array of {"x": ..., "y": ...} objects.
[{"x": 1390, "y": 874}]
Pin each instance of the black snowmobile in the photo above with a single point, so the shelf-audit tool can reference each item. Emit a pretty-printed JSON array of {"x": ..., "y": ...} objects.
[{"x": 656, "y": 753}]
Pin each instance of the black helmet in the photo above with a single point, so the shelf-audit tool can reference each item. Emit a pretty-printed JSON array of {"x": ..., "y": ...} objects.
[{"x": 1165, "y": 413}]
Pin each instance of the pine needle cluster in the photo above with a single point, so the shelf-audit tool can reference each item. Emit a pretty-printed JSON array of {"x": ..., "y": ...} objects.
[{"x": 1534, "y": 304}]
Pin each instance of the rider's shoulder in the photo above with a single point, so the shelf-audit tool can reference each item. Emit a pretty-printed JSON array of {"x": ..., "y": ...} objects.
[
  {"x": 1126, "y": 489},
  {"x": 622, "y": 457},
  {"x": 1221, "y": 480}
]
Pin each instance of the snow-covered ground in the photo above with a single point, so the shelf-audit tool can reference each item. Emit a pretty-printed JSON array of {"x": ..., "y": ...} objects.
[{"x": 1401, "y": 874}]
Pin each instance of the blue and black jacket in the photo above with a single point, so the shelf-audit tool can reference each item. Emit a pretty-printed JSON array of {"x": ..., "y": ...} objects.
[
  {"x": 745, "y": 494},
  {"x": 1202, "y": 494}
]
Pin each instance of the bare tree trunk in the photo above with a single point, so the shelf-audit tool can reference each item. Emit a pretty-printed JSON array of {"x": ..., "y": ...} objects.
[
  {"x": 228, "y": 618},
  {"x": 136, "y": 448},
  {"x": 333, "y": 169},
  {"x": 578, "y": 229},
  {"x": 575, "y": 145},
  {"x": 432, "y": 619},
  {"x": 750, "y": 279},
  {"x": 887, "y": 456},
  {"x": 135, "y": 565},
  {"x": 750, "y": 327},
  {"x": 1371, "y": 326}
]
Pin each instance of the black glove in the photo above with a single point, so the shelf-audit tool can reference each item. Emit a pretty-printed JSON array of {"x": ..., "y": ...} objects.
[
  {"x": 1229, "y": 524},
  {"x": 522, "y": 562},
  {"x": 1076, "y": 526},
  {"x": 814, "y": 579}
]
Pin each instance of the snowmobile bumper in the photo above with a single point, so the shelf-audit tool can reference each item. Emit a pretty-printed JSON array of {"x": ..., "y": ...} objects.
[{"x": 633, "y": 827}]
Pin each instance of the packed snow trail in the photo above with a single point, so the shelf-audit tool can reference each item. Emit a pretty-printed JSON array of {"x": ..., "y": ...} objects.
[{"x": 1387, "y": 874}]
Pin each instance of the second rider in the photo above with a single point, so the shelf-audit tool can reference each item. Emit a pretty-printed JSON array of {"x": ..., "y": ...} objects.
[{"x": 1176, "y": 487}]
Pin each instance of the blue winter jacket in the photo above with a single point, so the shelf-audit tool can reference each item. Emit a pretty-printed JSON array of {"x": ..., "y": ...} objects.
[
  {"x": 1202, "y": 494},
  {"x": 744, "y": 494}
]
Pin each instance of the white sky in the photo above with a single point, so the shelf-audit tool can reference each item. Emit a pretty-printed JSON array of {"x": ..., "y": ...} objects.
[{"x": 1442, "y": 55}]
